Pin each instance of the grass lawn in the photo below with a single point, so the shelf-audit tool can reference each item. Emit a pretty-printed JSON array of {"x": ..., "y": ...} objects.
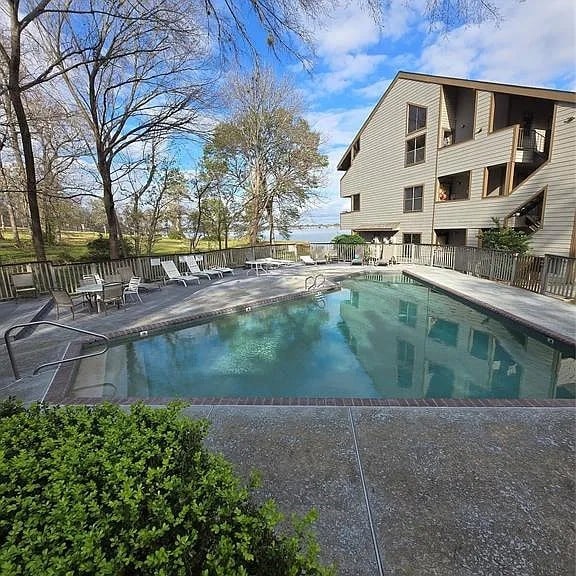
[{"x": 72, "y": 248}]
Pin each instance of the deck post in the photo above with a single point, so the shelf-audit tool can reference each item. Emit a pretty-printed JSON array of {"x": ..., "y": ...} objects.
[{"x": 544, "y": 274}]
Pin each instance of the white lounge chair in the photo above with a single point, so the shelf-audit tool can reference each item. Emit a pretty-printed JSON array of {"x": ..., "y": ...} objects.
[
  {"x": 276, "y": 261},
  {"x": 308, "y": 260},
  {"x": 192, "y": 264},
  {"x": 221, "y": 269},
  {"x": 174, "y": 274}
]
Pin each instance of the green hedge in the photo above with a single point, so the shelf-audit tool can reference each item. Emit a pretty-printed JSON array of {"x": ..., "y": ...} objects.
[{"x": 103, "y": 491}]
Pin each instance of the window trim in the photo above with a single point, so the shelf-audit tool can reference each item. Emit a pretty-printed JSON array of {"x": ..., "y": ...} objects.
[
  {"x": 404, "y": 211},
  {"x": 406, "y": 163},
  {"x": 408, "y": 131}
]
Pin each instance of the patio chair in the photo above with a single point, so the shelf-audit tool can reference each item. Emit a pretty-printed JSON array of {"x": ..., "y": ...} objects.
[
  {"x": 174, "y": 274},
  {"x": 63, "y": 299},
  {"x": 125, "y": 273},
  {"x": 308, "y": 260},
  {"x": 113, "y": 278},
  {"x": 24, "y": 284},
  {"x": 111, "y": 294},
  {"x": 221, "y": 269},
  {"x": 192, "y": 264},
  {"x": 132, "y": 289}
]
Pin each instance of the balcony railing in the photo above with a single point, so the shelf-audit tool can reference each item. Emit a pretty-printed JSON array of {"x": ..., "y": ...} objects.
[{"x": 531, "y": 139}]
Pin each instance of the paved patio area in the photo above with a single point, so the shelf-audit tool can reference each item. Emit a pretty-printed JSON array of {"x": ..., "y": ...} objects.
[{"x": 399, "y": 491}]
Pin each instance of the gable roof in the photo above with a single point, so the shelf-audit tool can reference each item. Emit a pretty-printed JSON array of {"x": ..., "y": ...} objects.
[{"x": 532, "y": 92}]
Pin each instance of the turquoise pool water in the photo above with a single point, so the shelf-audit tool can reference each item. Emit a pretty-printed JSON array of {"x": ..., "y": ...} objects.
[{"x": 383, "y": 336}]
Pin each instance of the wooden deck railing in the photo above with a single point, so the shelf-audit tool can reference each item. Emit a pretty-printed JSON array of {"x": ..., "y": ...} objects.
[{"x": 550, "y": 274}]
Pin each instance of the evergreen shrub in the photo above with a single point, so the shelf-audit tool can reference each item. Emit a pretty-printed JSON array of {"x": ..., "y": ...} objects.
[{"x": 98, "y": 490}]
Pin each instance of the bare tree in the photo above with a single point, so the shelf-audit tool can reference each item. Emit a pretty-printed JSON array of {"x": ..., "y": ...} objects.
[{"x": 143, "y": 80}]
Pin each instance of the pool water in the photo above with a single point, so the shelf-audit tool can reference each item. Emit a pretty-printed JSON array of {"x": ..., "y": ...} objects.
[{"x": 381, "y": 336}]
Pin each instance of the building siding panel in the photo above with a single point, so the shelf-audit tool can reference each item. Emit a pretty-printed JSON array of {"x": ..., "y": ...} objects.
[{"x": 379, "y": 175}]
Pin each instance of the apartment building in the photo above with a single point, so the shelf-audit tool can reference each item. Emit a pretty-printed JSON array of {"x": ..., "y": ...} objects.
[{"x": 439, "y": 158}]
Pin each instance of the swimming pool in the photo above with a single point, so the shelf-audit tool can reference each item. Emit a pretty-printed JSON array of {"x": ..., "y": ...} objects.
[{"x": 380, "y": 336}]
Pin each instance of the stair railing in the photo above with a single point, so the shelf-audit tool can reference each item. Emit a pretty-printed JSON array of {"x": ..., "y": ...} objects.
[
  {"x": 13, "y": 365},
  {"x": 315, "y": 282}
]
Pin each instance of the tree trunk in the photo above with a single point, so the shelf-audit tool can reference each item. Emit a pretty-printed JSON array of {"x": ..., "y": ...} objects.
[
  {"x": 25, "y": 138},
  {"x": 13, "y": 223},
  {"x": 109, "y": 207}
]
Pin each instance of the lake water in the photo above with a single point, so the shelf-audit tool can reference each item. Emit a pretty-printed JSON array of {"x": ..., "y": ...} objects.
[{"x": 318, "y": 235}]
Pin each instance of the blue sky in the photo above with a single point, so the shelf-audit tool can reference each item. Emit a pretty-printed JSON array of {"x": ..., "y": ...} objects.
[{"x": 533, "y": 44}]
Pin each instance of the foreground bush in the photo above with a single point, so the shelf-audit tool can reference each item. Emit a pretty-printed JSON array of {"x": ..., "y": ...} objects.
[{"x": 100, "y": 491}]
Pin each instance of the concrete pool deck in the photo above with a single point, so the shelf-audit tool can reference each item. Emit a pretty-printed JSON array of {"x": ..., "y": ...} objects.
[{"x": 399, "y": 491}]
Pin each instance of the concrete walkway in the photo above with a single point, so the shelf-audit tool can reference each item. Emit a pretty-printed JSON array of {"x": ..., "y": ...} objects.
[
  {"x": 399, "y": 491},
  {"x": 417, "y": 491}
]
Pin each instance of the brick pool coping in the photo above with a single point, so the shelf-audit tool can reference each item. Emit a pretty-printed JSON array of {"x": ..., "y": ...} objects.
[{"x": 58, "y": 391}]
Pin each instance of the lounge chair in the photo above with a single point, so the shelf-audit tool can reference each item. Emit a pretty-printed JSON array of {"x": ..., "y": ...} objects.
[
  {"x": 221, "y": 269},
  {"x": 174, "y": 274},
  {"x": 192, "y": 264},
  {"x": 308, "y": 260},
  {"x": 275, "y": 261},
  {"x": 132, "y": 289},
  {"x": 63, "y": 299},
  {"x": 24, "y": 284}
]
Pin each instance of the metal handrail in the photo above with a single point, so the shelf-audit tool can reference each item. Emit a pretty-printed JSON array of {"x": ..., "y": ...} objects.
[
  {"x": 314, "y": 283},
  {"x": 63, "y": 361}
]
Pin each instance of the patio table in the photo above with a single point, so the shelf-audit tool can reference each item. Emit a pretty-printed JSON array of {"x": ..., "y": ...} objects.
[
  {"x": 91, "y": 291},
  {"x": 256, "y": 266}
]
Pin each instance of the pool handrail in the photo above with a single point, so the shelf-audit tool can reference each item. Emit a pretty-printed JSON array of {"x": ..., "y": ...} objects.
[{"x": 13, "y": 365}]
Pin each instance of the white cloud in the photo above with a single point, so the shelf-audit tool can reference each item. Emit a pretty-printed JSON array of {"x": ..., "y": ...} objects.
[
  {"x": 352, "y": 68},
  {"x": 338, "y": 127},
  {"x": 375, "y": 90},
  {"x": 535, "y": 45},
  {"x": 349, "y": 44}
]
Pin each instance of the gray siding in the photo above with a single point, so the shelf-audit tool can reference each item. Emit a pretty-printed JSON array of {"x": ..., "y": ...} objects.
[{"x": 379, "y": 175}]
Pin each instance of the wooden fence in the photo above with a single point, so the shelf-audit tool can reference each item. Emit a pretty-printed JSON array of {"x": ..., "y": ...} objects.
[{"x": 552, "y": 275}]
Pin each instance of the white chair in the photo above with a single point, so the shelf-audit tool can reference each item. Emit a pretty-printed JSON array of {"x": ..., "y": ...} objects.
[
  {"x": 195, "y": 269},
  {"x": 132, "y": 289},
  {"x": 221, "y": 269},
  {"x": 174, "y": 274}
]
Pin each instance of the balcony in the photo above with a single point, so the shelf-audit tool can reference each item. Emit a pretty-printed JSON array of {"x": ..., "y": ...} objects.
[
  {"x": 453, "y": 187},
  {"x": 531, "y": 146}
]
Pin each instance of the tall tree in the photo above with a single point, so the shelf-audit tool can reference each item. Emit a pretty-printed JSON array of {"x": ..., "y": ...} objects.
[
  {"x": 273, "y": 146},
  {"x": 142, "y": 81}
]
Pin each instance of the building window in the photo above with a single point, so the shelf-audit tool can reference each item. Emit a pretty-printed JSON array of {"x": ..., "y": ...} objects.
[
  {"x": 443, "y": 331},
  {"x": 415, "y": 150},
  {"x": 407, "y": 313},
  {"x": 413, "y": 198},
  {"x": 480, "y": 344},
  {"x": 411, "y": 238},
  {"x": 416, "y": 118},
  {"x": 405, "y": 363},
  {"x": 355, "y": 202}
]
